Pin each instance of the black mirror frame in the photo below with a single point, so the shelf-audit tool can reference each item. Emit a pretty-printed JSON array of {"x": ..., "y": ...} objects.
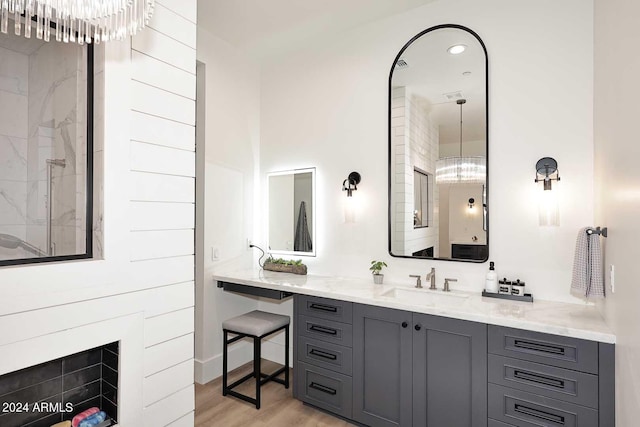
[{"x": 389, "y": 144}]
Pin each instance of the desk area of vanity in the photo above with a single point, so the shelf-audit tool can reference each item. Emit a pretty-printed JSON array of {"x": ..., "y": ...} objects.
[{"x": 372, "y": 354}]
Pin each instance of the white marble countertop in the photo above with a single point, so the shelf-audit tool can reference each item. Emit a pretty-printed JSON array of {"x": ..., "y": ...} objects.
[{"x": 570, "y": 320}]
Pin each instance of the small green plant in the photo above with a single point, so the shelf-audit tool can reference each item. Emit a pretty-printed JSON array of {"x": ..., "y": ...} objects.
[
  {"x": 376, "y": 266},
  {"x": 283, "y": 261}
]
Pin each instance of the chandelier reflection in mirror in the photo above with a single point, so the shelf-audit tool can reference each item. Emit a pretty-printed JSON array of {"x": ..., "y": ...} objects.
[
  {"x": 462, "y": 170},
  {"x": 75, "y": 21}
]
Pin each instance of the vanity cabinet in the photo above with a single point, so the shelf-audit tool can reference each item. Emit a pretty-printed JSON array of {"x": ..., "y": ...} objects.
[
  {"x": 385, "y": 367},
  {"x": 417, "y": 369}
]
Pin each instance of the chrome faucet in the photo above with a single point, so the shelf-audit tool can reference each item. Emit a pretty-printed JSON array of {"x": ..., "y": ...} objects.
[
  {"x": 418, "y": 281},
  {"x": 446, "y": 284},
  {"x": 432, "y": 277}
]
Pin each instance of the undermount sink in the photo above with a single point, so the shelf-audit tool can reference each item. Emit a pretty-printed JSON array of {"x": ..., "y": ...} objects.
[{"x": 425, "y": 296}]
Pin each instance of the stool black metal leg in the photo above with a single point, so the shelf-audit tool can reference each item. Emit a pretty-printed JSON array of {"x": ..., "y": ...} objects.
[
  {"x": 286, "y": 357},
  {"x": 256, "y": 368},
  {"x": 224, "y": 363}
]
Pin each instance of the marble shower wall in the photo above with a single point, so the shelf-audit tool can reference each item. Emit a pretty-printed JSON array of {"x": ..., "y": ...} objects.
[
  {"x": 55, "y": 131},
  {"x": 42, "y": 110},
  {"x": 14, "y": 87}
]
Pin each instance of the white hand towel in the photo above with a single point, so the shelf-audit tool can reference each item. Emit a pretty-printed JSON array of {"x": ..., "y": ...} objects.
[{"x": 587, "y": 281}]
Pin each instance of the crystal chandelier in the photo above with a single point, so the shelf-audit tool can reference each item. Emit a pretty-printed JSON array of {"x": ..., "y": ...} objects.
[
  {"x": 76, "y": 21},
  {"x": 461, "y": 170}
]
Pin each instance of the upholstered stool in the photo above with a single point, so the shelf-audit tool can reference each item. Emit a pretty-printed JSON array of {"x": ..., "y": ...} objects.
[{"x": 257, "y": 325}]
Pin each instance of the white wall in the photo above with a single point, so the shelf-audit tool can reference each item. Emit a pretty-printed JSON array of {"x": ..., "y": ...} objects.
[
  {"x": 332, "y": 99},
  {"x": 229, "y": 174},
  {"x": 148, "y": 161},
  {"x": 618, "y": 180}
]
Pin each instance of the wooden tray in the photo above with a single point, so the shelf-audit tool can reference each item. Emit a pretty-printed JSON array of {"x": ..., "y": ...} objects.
[{"x": 283, "y": 268}]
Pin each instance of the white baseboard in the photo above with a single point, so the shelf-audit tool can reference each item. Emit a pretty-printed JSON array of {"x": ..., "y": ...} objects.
[{"x": 210, "y": 369}]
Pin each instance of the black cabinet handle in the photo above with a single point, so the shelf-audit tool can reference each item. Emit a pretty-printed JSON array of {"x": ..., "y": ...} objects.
[
  {"x": 323, "y": 330},
  {"x": 323, "y": 354},
  {"x": 543, "y": 348},
  {"x": 536, "y": 378},
  {"x": 323, "y": 388},
  {"x": 405, "y": 324},
  {"x": 418, "y": 327},
  {"x": 558, "y": 419},
  {"x": 322, "y": 307}
]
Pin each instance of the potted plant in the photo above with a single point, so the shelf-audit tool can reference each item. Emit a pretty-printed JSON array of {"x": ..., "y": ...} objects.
[
  {"x": 376, "y": 268},
  {"x": 285, "y": 266}
]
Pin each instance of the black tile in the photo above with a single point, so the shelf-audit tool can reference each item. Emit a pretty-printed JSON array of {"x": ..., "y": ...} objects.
[
  {"x": 110, "y": 359},
  {"x": 32, "y": 414},
  {"x": 82, "y": 393},
  {"x": 47, "y": 421},
  {"x": 110, "y": 376},
  {"x": 109, "y": 392},
  {"x": 81, "y": 360},
  {"x": 110, "y": 409},
  {"x": 30, "y": 376},
  {"x": 82, "y": 377},
  {"x": 83, "y": 406},
  {"x": 114, "y": 347},
  {"x": 34, "y": 393}
]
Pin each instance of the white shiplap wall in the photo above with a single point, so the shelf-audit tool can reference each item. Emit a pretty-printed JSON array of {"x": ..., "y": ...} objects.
[
  {"x": 162, "y": 196},
  {"x": 146, "y": 152}
]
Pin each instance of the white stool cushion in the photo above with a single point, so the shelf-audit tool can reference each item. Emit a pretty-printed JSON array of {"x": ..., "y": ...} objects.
[{"x": 256, "y": 323}]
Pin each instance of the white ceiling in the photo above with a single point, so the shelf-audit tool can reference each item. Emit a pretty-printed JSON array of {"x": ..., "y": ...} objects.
[{"x": 267, "y": 27}]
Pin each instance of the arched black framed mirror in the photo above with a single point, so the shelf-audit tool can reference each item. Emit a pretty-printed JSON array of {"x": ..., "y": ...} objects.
[{"x": 439, "y": 147}]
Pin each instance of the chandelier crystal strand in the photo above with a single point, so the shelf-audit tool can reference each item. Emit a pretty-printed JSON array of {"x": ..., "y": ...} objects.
[{"x": 77, "y": 21}]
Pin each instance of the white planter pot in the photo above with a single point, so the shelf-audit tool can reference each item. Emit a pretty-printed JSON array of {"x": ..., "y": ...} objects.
[{"x": 378, "y": 278}]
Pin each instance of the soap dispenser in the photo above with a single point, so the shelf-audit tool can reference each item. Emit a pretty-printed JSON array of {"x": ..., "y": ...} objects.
[{"x": 491, "y": 284}]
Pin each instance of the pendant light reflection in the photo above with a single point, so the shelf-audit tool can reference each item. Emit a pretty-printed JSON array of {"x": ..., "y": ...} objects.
[
  {"x": 461, "y": 170},
  {"x": 548, "y": 201}
]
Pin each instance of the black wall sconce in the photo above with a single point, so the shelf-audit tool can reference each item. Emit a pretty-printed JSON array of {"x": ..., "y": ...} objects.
[
  {"x": 472, "y": 202},
  {"x": 547, "y": 171},
  {"x": 351, "y": 183}
]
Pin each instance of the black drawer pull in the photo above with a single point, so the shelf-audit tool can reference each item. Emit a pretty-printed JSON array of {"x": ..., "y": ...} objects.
[
  {"x": 323, "y": 330},
  {"x": 322, "y": 307},
  {"x": 544, "y": 348},
  {"x": 536, "y": 378},
  {"x": 558, "y": 419},
  {"x": 323, "y": 388},
  {"x": 323, "y": 354}
]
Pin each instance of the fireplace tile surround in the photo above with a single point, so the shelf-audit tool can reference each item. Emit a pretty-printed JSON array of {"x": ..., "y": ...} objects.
[{"x": 61, "y": 388}]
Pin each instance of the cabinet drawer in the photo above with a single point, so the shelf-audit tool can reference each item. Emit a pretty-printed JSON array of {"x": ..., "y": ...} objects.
[
  {"x": 324, "y": 308},
  {"x": 494, "y": 423},
  {"x": 570, "y": 386},
  {"x": 563, "y": 352},
  {"x": 325, "y": 330},
  {"x": 324, "y": 389},
  {"x": 326, "y": 355},
  {"x": 524, "y": 409}
]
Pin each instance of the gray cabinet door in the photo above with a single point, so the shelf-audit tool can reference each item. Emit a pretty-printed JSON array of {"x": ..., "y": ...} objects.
[
  {"x": 382, "y": 377},
  {"x": 449, "y": 372}
]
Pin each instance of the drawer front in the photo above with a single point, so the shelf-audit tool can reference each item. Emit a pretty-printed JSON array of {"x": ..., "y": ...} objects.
[
  {"x": 570, "y": 386},
  {"x": 325, "y": 330},
  {"x": 524, "y": 409},
  {"x": 325, "y": 389},
  {"x": 563, "y": 352},
  {"x": 326, "y": 355},
  {"x": 324, "y": 308},
  {"x": 494, "y": 423}
]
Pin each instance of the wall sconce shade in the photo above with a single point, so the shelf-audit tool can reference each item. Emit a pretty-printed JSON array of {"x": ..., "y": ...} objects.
[
  {"x": 548, "y": 210},
  {"x": 351, "y": 183}
]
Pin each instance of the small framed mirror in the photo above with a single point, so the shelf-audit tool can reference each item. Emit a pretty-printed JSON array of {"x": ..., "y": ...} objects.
[
  {"x": 291, "y": 212},
  {"x": 438, "y": 147}
]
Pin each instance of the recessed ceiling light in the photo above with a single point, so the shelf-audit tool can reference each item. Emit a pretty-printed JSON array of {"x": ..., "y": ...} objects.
[{"x": 456, "y": 49}]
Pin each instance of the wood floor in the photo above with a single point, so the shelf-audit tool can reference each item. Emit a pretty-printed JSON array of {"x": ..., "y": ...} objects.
[{"x": 278, "y": 407}]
